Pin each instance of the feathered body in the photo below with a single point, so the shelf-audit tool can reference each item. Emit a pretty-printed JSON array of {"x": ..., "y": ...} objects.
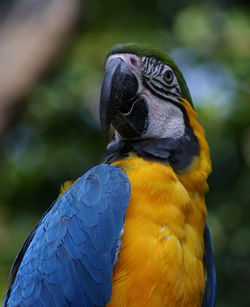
[
  {"x": 161, "y": 259},
  {"x": 130, "y": 232}
]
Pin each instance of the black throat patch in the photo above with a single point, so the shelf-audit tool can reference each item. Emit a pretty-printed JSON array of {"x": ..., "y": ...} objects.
[{"x": 178, "y": 153}]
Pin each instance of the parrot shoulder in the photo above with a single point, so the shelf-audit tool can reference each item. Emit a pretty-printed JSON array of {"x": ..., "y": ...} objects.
[{"x": 68, "y": 258}]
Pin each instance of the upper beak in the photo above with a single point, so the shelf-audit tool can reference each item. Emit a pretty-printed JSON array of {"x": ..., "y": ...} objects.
[{"x": 119, "y": 101}]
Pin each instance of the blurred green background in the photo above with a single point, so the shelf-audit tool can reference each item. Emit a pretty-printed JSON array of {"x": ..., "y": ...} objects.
[{"x": 56, "y": 135}]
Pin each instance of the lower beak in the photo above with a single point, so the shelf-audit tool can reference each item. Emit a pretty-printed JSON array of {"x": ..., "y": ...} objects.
[{"x": 120, "y": 104}]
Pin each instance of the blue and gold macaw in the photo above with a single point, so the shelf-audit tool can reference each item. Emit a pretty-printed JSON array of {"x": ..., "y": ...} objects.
[{"x": 131, "y": 231}]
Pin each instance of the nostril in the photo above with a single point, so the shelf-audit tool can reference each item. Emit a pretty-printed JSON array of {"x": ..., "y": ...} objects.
[{"x": 133, "y": 61}]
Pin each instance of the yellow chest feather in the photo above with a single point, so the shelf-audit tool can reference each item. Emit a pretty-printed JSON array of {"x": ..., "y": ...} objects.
[{"x": 160, "y": 263}]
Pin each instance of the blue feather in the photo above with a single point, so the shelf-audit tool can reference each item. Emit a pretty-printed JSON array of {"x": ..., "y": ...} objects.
[
  {"x": 48, "y": 265},
  {"x": 17, "y": 298},
  {"x": 68, "y": 258},
  {"x": 94, "y": 193},
  {"x": 73, "y": 230},
  {"x": 55, "y": 232},
  {"x": 95, "y": 273},
  {"x": 46, "y": 299},
  {"x": 47, "y": 250},
  {"x": 107, "y": 223},
  {"x": 57, "y": 294},
  {"x": 208, "y": 259}
]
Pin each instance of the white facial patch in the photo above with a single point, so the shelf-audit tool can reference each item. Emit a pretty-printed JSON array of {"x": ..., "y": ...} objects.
[{"x": 165, "y": 119}]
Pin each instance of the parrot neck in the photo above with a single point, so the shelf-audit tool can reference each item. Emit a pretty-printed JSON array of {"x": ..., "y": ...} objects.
[
  {"x": 179, "y": 152},
  {"x": 187, "y": 155}
]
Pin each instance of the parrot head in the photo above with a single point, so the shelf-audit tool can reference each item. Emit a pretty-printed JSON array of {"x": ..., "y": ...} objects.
[
  {"x": 146, "y": 103},
  {"x": 141, "y": 94}
]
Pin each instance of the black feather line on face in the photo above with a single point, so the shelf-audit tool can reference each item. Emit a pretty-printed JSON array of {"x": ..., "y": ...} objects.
[
  {"x": 147, "y": 64},
  {"x": 150, "y": 65},
  {"x": 162, "y": 90},
  {"x": 164, "y": 84},
  {"x": 160, "y": 70},
  {"x": 178, "y": 90},
  {"x": 159, "y": 95}
]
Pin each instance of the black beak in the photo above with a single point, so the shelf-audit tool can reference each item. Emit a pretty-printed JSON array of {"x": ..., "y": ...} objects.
[{"x": 120, "y": 104}]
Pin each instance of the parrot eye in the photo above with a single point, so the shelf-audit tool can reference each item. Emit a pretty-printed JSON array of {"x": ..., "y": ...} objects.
[{"x": 168, "y": 76}]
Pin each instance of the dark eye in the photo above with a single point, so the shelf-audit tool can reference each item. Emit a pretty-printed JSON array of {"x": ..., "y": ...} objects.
[{"x": 168, "y": 76}]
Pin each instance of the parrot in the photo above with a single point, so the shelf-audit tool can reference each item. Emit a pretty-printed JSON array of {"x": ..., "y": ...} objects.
[{"x": 132, "y": 230}]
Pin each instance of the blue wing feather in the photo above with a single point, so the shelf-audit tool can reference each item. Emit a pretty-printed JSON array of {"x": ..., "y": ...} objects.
[
  {"x": 208, "y": 259},
  {"x": 68, "y": 258}
]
